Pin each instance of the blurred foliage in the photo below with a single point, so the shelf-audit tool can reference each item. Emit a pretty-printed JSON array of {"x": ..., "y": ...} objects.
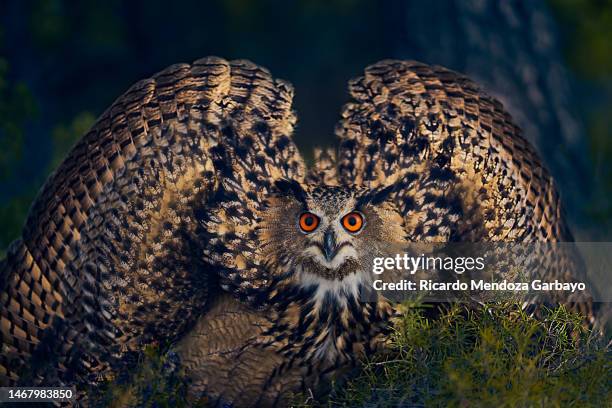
[
  {"x": 17, "y": 106},
  {"x": 600, "y": 133},
  {"x": 497, "y": 356},
  {"x": 48, "y": 23},
  {"x": 13, "y": 211},
  {"x": 12, "y": 215},
  {"x": 586, "y": 28},
  {"x": 65, "y": 136}
]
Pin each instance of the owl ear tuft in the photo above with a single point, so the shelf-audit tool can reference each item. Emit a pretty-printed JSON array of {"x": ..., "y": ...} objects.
[
  {"x": 290, "y": 187},
  {"x": 376, "y": 196}
]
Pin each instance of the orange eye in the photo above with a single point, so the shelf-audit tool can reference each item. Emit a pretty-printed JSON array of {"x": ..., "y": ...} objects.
[
  {"x": 309, "y": 222},
  {"x": 352, "y": 222}
]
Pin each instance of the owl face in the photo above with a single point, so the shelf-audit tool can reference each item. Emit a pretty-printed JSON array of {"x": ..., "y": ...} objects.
[{"x": 329, "y": 233}]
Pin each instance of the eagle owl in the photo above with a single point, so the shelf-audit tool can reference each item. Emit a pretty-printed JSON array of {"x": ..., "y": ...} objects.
[{"x": 186, "y": 215}]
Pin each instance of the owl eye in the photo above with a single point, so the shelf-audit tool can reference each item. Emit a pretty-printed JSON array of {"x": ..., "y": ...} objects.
[
  {"x": 352, "y": 222},
  {"x": 309, "y": 222}
]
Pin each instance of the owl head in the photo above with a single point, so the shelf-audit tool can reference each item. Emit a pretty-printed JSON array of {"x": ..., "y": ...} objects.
[{"x": 329, "y": 234}]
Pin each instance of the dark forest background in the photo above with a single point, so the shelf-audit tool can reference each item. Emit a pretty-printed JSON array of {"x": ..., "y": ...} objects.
[{"x": 63, "y": 62}]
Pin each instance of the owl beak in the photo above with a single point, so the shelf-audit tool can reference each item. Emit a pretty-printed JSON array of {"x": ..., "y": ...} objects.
[{"x": 329, "y": 245}]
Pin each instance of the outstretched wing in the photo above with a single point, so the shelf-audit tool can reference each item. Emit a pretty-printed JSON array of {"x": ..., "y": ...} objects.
[
  {"x": 454, "y": 151},
  {"x": 460, "y": 167},
  {"x": 110, "y": 255}
]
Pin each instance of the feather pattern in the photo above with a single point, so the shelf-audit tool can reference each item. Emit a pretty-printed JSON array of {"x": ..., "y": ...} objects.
[{"x": 175, "y": 220}]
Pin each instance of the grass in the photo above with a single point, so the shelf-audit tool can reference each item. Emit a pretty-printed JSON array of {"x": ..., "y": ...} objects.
[
  {"x": 156, "y": 382},
  {"x": 493, "y": 356},
  {"x": 496, "y": 356}
]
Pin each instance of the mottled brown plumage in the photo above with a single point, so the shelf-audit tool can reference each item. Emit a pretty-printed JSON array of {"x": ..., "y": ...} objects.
[
  {"x": 109, "y": 247},
  {"x": 175, "y": 219}
]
